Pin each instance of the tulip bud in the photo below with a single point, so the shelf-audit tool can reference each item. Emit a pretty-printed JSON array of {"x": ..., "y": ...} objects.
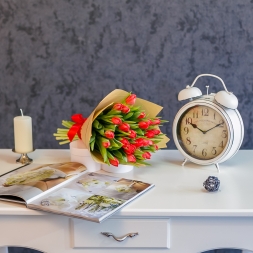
[
  {"x": 156, "y": 122},
  {"x": 142, "y": 115},
  {"x": 130, "y": 100},
  {"x": 132, "y": 134},
  {"x": 150, "y": 134},
  {"x": 125, "y": 142},
  {"x": 156, "y": 131},
  {"x": 143, "y": 124},
  {"x": 109, "y": 134},
  {"x": 116, "y": 121},
  {"x": 131, "y": 158},
  {"x": 139, "y": 142},
  {"x": 124, "y": 127},
  {"x": 146, "y": 155},
  {"x": 106, "y": 144},
  {"x": 125, "y": 109},
  {"x": 150, "y": 142},
  {"x": 156, "y": 147},
  {"x": 146, "y": 142},
  {"x": 129, "y": 149},
  {"x": 117, "y": 107},
  {"x": 114, "y": 162}
]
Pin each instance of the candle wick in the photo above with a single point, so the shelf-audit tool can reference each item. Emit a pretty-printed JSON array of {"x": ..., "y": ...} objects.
[{"x": 22, "y": 112}]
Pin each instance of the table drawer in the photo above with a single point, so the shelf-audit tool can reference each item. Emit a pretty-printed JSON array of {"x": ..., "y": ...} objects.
[{"x": 152, "y": 233}]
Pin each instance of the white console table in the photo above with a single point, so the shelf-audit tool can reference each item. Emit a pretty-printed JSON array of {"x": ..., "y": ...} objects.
[{"x": 176, "y": 216}]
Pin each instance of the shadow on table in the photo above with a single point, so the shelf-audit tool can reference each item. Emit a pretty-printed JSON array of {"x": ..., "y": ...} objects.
[
  {"x": 25, "y": 250},
  {"x": 223, "y": 251},
  {"x": 22, "y": 250}
]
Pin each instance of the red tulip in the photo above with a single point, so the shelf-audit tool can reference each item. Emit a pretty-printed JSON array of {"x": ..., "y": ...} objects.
[
  {"x": 114, "y": 162},
  {"x": 116, "y": 121},
  {"x": 125, "y": 109},
  {"x": 150, "y": 142},
  {"x": 117, "y": 107},
  {"x": 142, "y": 115},
  {"x": 146, "y": 142},
  {"x": 156, "y": 122},
  {"x": 150, "y": 134},
  {"x": 109, "y": 134},
  {"x": 129, "y": 149},
  {"x": 125, "y": 142},
  {"x": 156, "y": 131},
  {"x": 156, "y": 147},
  {"x": 146, "y": 155},
  {"x": 130, "y": 100},
  {"x": 131, "y": 158},
  {"x": 139, "y": 142},
  {"x": 143, "y": 124},
  {"x": 106, "y": 144},
  {"x": 124, "y": 127},
  {"x": 132, "y": 134}
]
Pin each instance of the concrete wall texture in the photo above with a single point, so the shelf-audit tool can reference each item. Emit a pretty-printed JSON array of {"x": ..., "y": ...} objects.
[{"x": 58, "y": 58}]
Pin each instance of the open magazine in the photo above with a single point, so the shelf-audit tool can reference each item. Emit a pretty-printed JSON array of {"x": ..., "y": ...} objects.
[{"x": 69, "y": 189}]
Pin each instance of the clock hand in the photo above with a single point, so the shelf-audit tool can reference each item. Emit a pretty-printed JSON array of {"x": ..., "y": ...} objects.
[
  {"x": 212, "y": 128},
  {"x": 195, "y": 126}
]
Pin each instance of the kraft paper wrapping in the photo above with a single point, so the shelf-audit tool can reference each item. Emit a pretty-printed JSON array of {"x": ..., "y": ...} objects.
[{"x": 117, "y": 96}]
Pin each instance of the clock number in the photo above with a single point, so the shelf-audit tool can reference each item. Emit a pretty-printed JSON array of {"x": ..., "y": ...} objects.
[
  {"x": 221, "y": 145},
  {"x": 204, "y": 152},
  {"x": 205, "y": 112},
  {"x": 224, "y": 134},
  {"x": 186, "y": 130},
  {"x": 188, "y": 120},
  {"x": 214, "y": 115},
  {"x": 222, "y": 123},
  {"x": 214, "y": 152},
  {"x": 188, "y": 141},
  {"x": 194, "y": 148},
  {"x": 195, "y": 114}
]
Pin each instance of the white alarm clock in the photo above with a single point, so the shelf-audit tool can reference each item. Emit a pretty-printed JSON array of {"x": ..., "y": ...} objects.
[{"x": 208, "y": 129}]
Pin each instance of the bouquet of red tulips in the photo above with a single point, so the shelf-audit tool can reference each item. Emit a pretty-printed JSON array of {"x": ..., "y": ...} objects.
[{"x": 123, "y": 129}]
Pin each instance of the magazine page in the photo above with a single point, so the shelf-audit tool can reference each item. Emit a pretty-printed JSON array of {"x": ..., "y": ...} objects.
[
  {"x": 35, "y": 179},
  {"x": 93, "y": 196}
]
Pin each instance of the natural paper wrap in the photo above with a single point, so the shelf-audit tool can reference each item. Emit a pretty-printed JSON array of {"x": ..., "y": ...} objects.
[{"x": 117, "y": 96}]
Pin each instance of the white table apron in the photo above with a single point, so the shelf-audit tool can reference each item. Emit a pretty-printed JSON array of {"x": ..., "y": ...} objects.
[{"x": 177, "y": 216}]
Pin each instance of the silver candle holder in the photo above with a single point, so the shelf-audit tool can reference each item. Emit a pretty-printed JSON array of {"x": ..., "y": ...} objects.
[{"x": 24, "y": 159}]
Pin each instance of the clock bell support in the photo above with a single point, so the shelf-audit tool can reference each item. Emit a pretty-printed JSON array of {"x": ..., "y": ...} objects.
[
  {"x": 217, "y": 167},
  {"x": 185, "y": 160},
  {"x": 216, "y": 164}
]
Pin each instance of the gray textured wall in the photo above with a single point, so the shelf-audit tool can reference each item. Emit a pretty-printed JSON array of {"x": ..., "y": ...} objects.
[{"x": 60, "y": 57}]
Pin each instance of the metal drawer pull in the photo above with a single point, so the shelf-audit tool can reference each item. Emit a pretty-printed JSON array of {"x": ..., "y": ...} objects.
[{"x": 119, "y": 239}]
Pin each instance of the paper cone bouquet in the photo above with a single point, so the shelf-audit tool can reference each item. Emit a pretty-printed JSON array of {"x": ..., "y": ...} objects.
[{"x": 122, "y": 129}]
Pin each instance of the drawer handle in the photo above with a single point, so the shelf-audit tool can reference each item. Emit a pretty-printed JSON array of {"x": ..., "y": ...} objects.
[{"x": 119, "y": 239}]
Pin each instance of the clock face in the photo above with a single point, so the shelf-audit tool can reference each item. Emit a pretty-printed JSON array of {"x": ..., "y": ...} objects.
[{"x": 202, "y": 132}]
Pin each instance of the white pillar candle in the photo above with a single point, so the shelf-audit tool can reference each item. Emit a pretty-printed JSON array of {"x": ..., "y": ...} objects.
[{"x": 23, "y": 134}]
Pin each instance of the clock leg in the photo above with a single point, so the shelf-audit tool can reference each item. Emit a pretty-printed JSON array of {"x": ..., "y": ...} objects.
[
  {"x": 185, "y": 160},
  {"x": 217, "y": 167}
]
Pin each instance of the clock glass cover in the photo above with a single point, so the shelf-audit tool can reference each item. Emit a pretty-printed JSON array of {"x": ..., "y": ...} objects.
[{"x": 202, "y": 132}]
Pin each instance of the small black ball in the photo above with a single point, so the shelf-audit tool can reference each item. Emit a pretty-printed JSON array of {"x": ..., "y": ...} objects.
[{"x": 212, "y": 184}]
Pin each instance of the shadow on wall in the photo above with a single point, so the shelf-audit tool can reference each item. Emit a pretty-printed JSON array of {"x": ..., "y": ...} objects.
[{"x": 25, "y": 250}]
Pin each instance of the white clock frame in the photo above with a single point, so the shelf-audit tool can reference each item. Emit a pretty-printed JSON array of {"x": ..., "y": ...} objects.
[{"x": 232, "y": 119}]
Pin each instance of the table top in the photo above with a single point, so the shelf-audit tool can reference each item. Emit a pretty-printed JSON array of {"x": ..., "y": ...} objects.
[{"x": 178, "y": 189}]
